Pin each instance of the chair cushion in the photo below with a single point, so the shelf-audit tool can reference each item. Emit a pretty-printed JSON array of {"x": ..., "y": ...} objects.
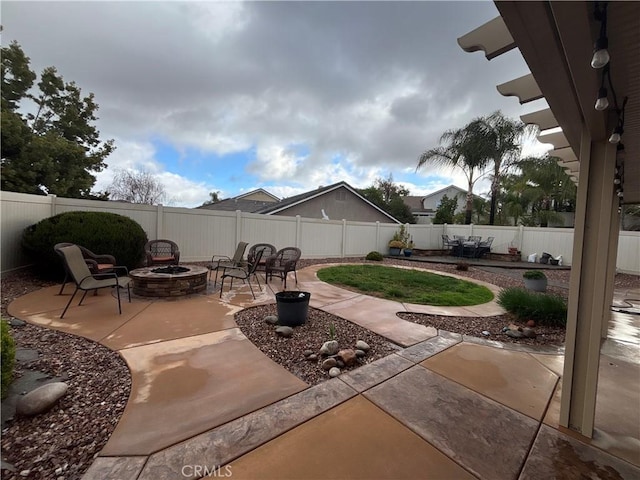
[
  {"x": 105, "y": 266},
  {"x": 163, "y": 259}
]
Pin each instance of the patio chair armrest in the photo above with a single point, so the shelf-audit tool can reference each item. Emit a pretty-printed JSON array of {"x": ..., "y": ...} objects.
[
  {"x": 99, "y": 276},
  {"x": 92, "y": 264},
  {"x": 220, "y": 258},
  {"x": 105, "y": 259},
  {"x": 121, "y": 267}
]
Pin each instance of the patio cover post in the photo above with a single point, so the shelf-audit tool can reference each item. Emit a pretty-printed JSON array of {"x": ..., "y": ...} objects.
[
  {"x": 589, "y": 298},
  {"x": 614, "y": 236}
]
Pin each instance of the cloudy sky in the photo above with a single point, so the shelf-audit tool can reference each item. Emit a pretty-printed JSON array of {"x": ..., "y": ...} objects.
[{"x": 286, "y": 96}]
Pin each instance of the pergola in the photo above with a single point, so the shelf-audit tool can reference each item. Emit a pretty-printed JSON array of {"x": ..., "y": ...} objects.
[{"x": 557, "y": 41}]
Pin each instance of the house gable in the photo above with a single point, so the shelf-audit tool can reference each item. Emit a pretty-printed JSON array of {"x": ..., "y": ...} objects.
[
  {"x": 337, "y": 202},
  {"x": 259, "y": 195}
]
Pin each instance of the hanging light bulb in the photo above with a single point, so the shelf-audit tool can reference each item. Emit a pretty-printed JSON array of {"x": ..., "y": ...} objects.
[
  {"x": 616, "y": 136},
  {"x": 602, "y": 103},
  {"x": 600, "y": 53},
  {"x": 616, "y": 181},
  {"x": 620, "y": 194}
]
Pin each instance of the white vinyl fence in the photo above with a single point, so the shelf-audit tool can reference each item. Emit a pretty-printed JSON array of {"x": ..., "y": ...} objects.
[{"x": 202, "y": 233}]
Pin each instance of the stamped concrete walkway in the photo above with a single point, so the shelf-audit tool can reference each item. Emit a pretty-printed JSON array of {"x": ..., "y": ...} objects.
[{"x": 205, "y": 402}]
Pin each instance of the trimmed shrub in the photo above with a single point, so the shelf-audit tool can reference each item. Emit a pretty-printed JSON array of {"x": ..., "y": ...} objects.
[
  {"x": 100, "y": 232},
  {"x": 375, "y": 256},
  {"x": 7, "y": 356},
  {"x": 534, "y": 275},
  {"x": 544, "y": 309},
  {"x": 462, "y": 266}
]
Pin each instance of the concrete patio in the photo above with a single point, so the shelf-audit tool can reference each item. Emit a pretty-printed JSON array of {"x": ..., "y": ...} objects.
[{"x": 205, "y": 401}]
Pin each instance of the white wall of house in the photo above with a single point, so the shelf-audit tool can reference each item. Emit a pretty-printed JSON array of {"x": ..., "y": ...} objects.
[
  {"x": 431, "y": 202},
  {"x": 203, "y": 233}
]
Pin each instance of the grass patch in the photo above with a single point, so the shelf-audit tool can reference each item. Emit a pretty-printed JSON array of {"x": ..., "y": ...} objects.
[
  {"x": 411, "y": 286},
  {"x": 543, "y": 308}
]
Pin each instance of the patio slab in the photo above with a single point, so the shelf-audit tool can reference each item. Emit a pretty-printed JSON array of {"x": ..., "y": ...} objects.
[
  {"x": 376, "y": 372},
  {"x": 226, "y": 443},
  {"x": 220, "y": 375},
  {"x": 123, "y": 468},
  {"x": 95, "y": 319},
  {"x": 617, "y": 420},
  {"x": 354, "y": 440},
  {"x": 555, "y": 455},
  {"x": 168, "y": 320},
  {"x": 487, "y": 438},
  {"x": 379, "y": 316},
  {"x": 511, "y": 378}
]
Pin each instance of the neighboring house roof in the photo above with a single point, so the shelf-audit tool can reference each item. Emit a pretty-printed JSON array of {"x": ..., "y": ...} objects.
[
  {"x": 304, "y": 197},
  {"x": 437, "y": 192},
  {"x": 413, "y": 202},
  {"x": 243, "y": 203},
  {"x": 233, "y": 204},
  {"x": 257, "y": 191}
]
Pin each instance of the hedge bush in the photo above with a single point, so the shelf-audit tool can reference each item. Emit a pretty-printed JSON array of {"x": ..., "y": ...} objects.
[
  {"x": 543, "y": 308},
  {"x": 100, "y": 232},
  {"x": 7, "y": 356},
  {"x": 375, "y": 256}
]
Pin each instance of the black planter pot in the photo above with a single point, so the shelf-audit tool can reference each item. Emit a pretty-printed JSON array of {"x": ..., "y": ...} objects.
[
  {"x": 293, "y": 307},
  {"x": 407, "y": 252},
  {"x": 394, "y": 251}
]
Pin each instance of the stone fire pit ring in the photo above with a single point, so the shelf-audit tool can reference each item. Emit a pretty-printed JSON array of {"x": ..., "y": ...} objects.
[{"x": 148, "y": 283}]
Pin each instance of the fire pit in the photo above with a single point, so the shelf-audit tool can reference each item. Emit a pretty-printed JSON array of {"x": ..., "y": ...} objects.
[
  {"x": 171, "y": 281},
  {"x": 173, "y": 269}
]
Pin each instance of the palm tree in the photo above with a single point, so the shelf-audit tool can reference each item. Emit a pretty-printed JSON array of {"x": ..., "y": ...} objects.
[
  {"x": 506, "y": 136},
  {"x": 466, "y": 149},
  {"x": 547, "y": 188}
]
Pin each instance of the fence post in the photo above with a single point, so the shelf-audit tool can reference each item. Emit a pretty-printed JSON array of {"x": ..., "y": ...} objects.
[
  {"x": 344, "y": 238},
  {"x": 298, "y": 230},
  {"x": 378, "y": 235},
  {"x": 238, "y": 226},
  {"x": 520, "y": 237},
  {"x": 52, "y": 199},
  {"x": 159, "y": 221}
]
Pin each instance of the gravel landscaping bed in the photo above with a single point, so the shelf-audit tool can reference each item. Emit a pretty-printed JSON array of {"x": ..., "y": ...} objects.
[
  {"x": 474, "y": 326},
  {"x": 63, "y": 442},
  {"x": 288, "y": 352}
]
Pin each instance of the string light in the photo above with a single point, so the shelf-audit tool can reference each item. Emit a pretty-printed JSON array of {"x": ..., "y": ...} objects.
[
  {"x": 616, "y": 136},
  {"x": 600, "y": 53}
]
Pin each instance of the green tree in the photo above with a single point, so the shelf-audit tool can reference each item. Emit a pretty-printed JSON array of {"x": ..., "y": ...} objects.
[
  {"x": 446, "y": 210},
  {"x": 504, "y": 137},
  {"x": 387, "y": 195},
  {"x": 56, "y": 149},
  {"x": 479, "y": 210},
  {"x": 541, "y": 190},
  {"x": 466, "y": 149},
  {"x": 214, "y": 197}
]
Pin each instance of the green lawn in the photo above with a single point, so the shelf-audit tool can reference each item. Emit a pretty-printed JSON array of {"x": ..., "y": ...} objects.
[{"x": 410, "y": 286}]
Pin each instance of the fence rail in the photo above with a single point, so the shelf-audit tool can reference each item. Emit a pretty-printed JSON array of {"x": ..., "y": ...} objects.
[{"x": 203, "y": 233}]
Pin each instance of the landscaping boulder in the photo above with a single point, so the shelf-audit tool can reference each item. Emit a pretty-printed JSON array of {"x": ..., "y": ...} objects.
[
  {"x": 284, "y": 331},
  {"x": 362, "y": 345},
  {"x": 348, "y": 356},
  {"x": 330, "y": 348},
  {"x": 41, "y": 399},
  {"x": 329, "y": 363}
]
